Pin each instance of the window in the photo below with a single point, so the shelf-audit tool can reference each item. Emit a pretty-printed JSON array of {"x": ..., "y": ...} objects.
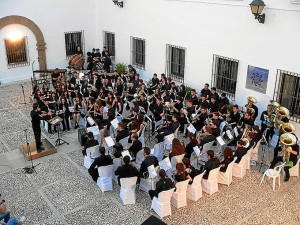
[
  {"x": 224, "y": 75},
  {"x": 109, "y": 42},
  {"x": 287, "y": 92},
  {"x": 138, "y": 52},
  {"x": 175, "y": 63},
  {"x": 73, "y": 39},
  {"x": 16, "y": 52}
]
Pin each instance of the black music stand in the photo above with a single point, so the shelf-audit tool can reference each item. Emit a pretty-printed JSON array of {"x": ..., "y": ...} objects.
[
  {"x": 29, "y": 169},
  {"x": 23, "y": 92},
  {"x": 56, "y": 122},
  {"x": 263, "y": 144}
]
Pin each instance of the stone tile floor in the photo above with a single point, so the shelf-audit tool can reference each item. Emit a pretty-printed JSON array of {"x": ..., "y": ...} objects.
[{"x": 61, "y": 192}]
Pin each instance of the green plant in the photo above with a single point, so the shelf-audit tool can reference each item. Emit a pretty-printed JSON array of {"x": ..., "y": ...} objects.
[
  {"x": 120, "y": 67},
  {"x": 188, "y": 92}
]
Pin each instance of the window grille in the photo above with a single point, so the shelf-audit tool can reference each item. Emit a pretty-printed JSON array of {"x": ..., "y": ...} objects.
[
  {"x": 224, "y": 75},
  {"x": 16, "y": 52},
  {"x": 138, "y": 52},
  {"x": 109, "y": 42},
  {"x": 287, "y": 92},
  {"x": 73, "y": 39},
  {"x": 175, "y": 63}
]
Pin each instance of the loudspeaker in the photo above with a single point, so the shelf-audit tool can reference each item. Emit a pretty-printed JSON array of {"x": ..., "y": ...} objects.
[
  {"x": 153, "y": 220},
  {"x": 82, "y": 137}
]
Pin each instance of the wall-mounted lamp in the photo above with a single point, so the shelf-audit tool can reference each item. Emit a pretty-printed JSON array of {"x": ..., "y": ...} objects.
[
  {"x": 257, "y": 7},
  {"x": 116, "y": 2}
]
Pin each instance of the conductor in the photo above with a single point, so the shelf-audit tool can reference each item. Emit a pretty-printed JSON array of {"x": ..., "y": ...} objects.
[{"x": 36, "y": 121}]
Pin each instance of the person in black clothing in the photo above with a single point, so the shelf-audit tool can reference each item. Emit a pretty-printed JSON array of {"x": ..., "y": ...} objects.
[
  {"x": 234, "y": 116},
  {"x": 251, "y": 105},
  {"x": 122, "y": 132},
  {"x": 202, "y": 102},
  {"x": 178, "y": 105},
  {"x": 36, "y": 126},
  {"x": 55, "y": 76},
  {"x": 148, "y": 161},
  {"x": 211, "y": 163},
  {"x": 91, "y": 142},
  {"x": 89, "y": 61},
  {"x": 186, "y": 118},
  {"x": 64, "y": 107},
  {"x": 103, "y": 51},
  {"x": 205, "y": 91},
  {"x": 208, "y": 136},
  {"x": 158, "y": 112},
  {"x": 213, "y": 93},
  {"x": 200, "y": 122},
  {"x": 228, "y": 158},
  {"x": 215, "y": 128},
  {"x": 118, "y": 150},
  {"x": 189, "y": 147},
  {"x": 102, "y": 160},
  {"x": 126, "y": 170},
  {"x": 240, "y": 151},
  {"x": 213, "y": 105},
  {"x": 143, "y": 103},
  {"x": 168, "y": 129},
  {"x": 194, "y": 98},
  {"x": 164, "y": 184},
  {"x": 294, "y": 152},
  {"x": 79, "y": 51},
  {"x": 224, "y": 99},
  {"x": 106, "y": 62},
  {"x": 191, "y": 171},
  {"x": 181, "y": 174},
  {"x": 131, "y": 69},
  {"x": 131, "y": 91},
  {"x": 264, "y": 118},
  {"x": 136, "y": 144}
]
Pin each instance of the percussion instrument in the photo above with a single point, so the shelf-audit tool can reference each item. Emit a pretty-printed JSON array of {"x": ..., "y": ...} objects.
[{"x": 76, "y": 61}]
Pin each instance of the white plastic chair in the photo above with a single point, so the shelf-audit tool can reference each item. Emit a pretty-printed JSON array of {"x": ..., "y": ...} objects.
[
  {"x": 294, "y": 171},
  {"x": 149, "y": 183},
  {"x": 159, "y": 150},
  {"x": 127, "y": 192},
  {"x": 194, "y": 191},
  {"x": 239, "y": 169},
  {"x": 226, "y": 177},
  {"x": 117, "y": 162},
  {"x": 178, "y": 198},
  {"x": 124, "y": 142},
  {"x": 210, "y": 185},
  {"x": 104, "y": 180},
  {"x": 162, "y": 204},
  {"x": 273, "y": 173},
  {"x": 139, "y": 159},
  {"x": 91, "y": 154}
]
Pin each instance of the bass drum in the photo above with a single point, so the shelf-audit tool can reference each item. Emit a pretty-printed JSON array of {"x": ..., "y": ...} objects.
[{"x": 76, "y": 61}]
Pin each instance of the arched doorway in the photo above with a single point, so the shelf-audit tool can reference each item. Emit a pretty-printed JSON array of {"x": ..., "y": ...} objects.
[{"x": 40, "y": 41}]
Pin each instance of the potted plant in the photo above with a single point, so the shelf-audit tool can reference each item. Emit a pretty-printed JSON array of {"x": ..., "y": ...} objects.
[{"x": 121, "y": 68}]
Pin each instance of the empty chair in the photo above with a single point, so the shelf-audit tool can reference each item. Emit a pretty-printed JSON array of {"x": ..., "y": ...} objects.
[
  {"x": 141, "y": 134},
  {"x": 159, "y": 151},
  {"x": 127, "y": 191},
  {"x": 178, "y": 198},
  {"x": 117, "y": 163},
  {"x": 104, "y": 180},
  {"x": 294, "y": 171},
  {"x": 273, "y": 173},
  {"x": 194, "y": 191},
  {"x": 91, "y": 154},
  {"x": 239, "y": 169},
  {"x": 147, "y": 184},
  {"x": 162, "y": 204},
  {"x": 124, "y": 142},
  {"x": 210, "y": 185},
  {"x": 226, "y": 178}
]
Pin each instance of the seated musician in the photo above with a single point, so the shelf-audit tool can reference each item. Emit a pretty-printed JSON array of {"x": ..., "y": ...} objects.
[
  {"x": 181, "y": 174},
  {"x": 133, "y": 128},
  {"x": 200, "y": 121},
  {"x": 98, "y": 110},
  {"x": 136, "y": 144},
  {"x": 167, "y": 97},
  {"x": 177, "y": 148},
  {"x": 143, "y": 103},
  {"x": 257, "y": 135},
  {"x": 250, "y": 104},
  {"x": 189, "y": 148},
  {"x": 149, "y": 160},
  {"x": 126, "y": 170},
  {"x": 163, "y": 84},
  {"x": 96, "y": 82},
  {"x": 91, "y": 142},
  {"x": 158, "y": 111},
  {"x": 89, "y": 61},
  {"x": 186, "y": 118},
  {"x": 131, "y": 69},
  {"x": 55, "y": 76},
  {"x": 213, "y": 105},
  {"x": 97, "y": 55},
  {"x": 73, "y": 79},
  {"x": 215, "y": 128},
  {"x": 250, "y": 138},
  {"x": 119, "y": 105},
  {"x": 228, "y": 158},
  {"x": 208, "y": 137},
  {"x": 182, "y": 91},
  {"x": 240, "y": 151},
  {"x": 234, "y": 116},
  {"x": 211, "y": 163},
  {"x": 173, "y": 90},
  {"x": 178, "y": 105},
  {"x": 203, "y": 101},
  {"x": 111, "y": 114},
  {"x": 107, "y": 84},
  {"x": 119, "y": 88},
  {"x": 216, "y": 117},
  {"x": 223, "y": 111},
  {"x": 133, "y": 115},
  {"x": 122, "y": 132},
  {"x": 155, "y": 83},
  {"x": 47, "y": 113},
  {"x": 223, "y": 99},
  {"x": 63, "y": 107},
  {"x": 213, "y": 93},
  {"x": 168, "y": 129},
  {"x": 194, "y": 98},
  {"x": 131, "y": 91}
]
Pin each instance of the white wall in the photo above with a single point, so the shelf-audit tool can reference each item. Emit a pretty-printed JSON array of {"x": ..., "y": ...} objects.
[{"x": 53, "y": 17}]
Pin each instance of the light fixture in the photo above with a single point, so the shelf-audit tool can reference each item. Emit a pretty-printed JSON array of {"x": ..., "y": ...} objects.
[
  {"x": 116, "y": 2},
  {"x": 257, "y": 7}
]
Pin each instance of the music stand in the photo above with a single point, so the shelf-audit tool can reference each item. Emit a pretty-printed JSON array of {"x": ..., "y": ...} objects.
[
  {"x": 55, "y": 121},
  {"x": 149, "y": 131},
  {"x": 263, "y": 144},
  {"x": 29, "y": 169}
]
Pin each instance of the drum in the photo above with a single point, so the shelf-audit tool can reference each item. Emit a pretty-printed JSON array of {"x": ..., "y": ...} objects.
[{"x": 76, "y": 61}]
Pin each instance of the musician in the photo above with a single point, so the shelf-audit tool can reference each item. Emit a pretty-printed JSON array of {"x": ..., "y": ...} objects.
[
  {"x": 257, "y": 134},
  {"x": 178, "y": 105},
  {"x": 223, "y": 111},
  {"x": 98, "y": 110},
  {"x": 224, "y": 99},
  {"x": 97, "y": 83},
  {"x": 228, "y": 158},
  {"x": 154, "y": 83},
  {"x": 63, "y": 106},
  {"x": 182, "y": 91},
  {"x": 111, "y": 98},
  {"x": 78, "y": 107},
  {"x": 163, "y": 84},
  {"x": 131, "y": 91},
  {"x": 168, "y": 129},
  {"x": 119, "y": 88},
  {"x": 194, "y": 98},
  {"x": 173, "y": 90},
  {"x": 202, "y": 102},
  {"x": 90, "y": 93},
  {"x": 38, "y": 98},
  {"x": 36, "y": 126},
  {"x": 250, "y": 138},
  {"x": 89, "y": 108},
  {"x": 104, "y": 50},
  {"x": 184, "y": 119},
  {"x": 251, "y": 105},
  {"x": 246, "y": 120},
  {"x": 208, "y": 137},
  {"x": 131, "y": 69},
  {"x": 205, "y": 91},
  {"x": 47, "y": 112},
  {"x": 136, "y": 144},
  {"x": 97, "y": 55},
  {"x": 213, "y": 105},
  {"x": 213, "y": 93},
  {"x": 55, "y": 76},
  {"x": 200, "y": 122},
  {"x": 102, "y": 96},
  {"x": 143, "y": 103},
  {"x": 189, "y": 148},
  {"x": 294, "y": 152},
  {"x": 106, "y": 62},
  {"x": 119, "y": 105},
  {"x": 215, "y": 128},
  {"x": 216, "y": 117},
  {"x": 211, "y": 163},
  {"x": 91, "y": 142},
  {"x": 122, "y": 132},
  {"x": 167, "y": 97},
  {"x": 111, "y": 114},
  {"x": 149, "y": 160},
  {"x": 158, "y": 110},
  {"x": 73, "y": 79},
  {"x": 79, "y": 51},
  {"x": 177, "y": 148},
  {"x": 89, "y": 61},
  {"x": 234, "y": 116},
  {"x": 126, "y": 170},
  {"x": 278, "y": 147},
  {"x": 106, "y": 83},
  {"x": 240, "y": 151}
]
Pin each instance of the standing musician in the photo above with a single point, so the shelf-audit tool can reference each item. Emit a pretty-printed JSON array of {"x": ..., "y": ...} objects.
[
  {"x": 36, "y": 126},
  {"x": 251, "y": 102},
  {"x": 106, "y": 62},
  {"x": 205, "y": 91},
  {"x": 63, "y": 106},
  {"x": 89, "y": 61},
  {"x": 194, "y": 98},
  {"x": 234, "y": 116},
  {"x": 78, "y": 107},
  {"x": 264, "y": 118},
  {"x": 168, "y": 129}
]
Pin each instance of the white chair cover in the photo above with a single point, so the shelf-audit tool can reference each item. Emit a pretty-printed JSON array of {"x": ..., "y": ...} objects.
[
  {"x": 162, "y": 204},
  {"x": 117, "y": 162},
  {"x": 124, "y": 142},
  {"x": 226, "y": 177},
  {"x": 210, "y": 185},
  {"x": 239, "y": 169},
  {"x": 91, "y": 154},
  {"x": 149, "y": 183},
  {"x": 139, "y": 159},
  {"x": 104, "y": 180},
  {"x": 127, "y": 192},
  {"x": 178, "y": 198},
  {"x": 159, "y": 151},
  {"x": 294, "y": 171},
  {"x": 194, "y": 191}
]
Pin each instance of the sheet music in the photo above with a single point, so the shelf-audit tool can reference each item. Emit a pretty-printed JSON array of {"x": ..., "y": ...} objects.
[
  {"x": 197, "y": 151},
  {"x": 191, "y": 129},
  {"x": 152, "y": 171},
  {"x": 109, "y": 141},
  {"x": 90, "y": 120},
  {"x": 229, "y": 135},
  {"x": 236, "y": 133},
  {"x": 152, "y": 151},
  {"x": 220, "y": 140},
  {"x": 169, "y": 138},
  {"x": 94, "y": 130},
  {"x": 115, "y": 123},
  {"x": 105, "y": 109},
  {"x": 126, "y": 152},
  {"x": 165, "y": 164}
]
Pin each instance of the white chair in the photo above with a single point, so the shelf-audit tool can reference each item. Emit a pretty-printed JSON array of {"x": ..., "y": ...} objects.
[
  {"x": 124, "y": 142},
  {"x": 207, "y": 146},
  {"x": 239, "y": 169},
  {"x": 139, "y": 159},
  {"x": 117, "y": 162},
  {"x": 142, "y": 136},
  {"x": 210, "y": 185},
  {"x": 176, "y": 159},
  {"x": 127, "y": 192},
  {"x": 219, "y": 147},
  {"x": 147, "y": 184},
  {"x": 294, "y": 171},
  {"x": 176, "y": 132},
  {"x": 104, "y": 180},
  {"x": 248, "y": 158},
  {"x": 194, "y": 191},
  {"x": 178, "y": 198},
  {"x": 273, "y": 173},
  {"x": 159, "y": 150},
  {"x": 91, "y": 154},
  {"x": 226, "y": 177},
  {"x": 162, "y": 204},
  {"x": 254, "y": 152}
]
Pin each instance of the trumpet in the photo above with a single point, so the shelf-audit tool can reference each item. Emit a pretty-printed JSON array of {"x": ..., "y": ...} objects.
[
  {"x": 184, "y": 111},
  {"x": 168, "y": 105},
  {"x": 287, "y": 140}
]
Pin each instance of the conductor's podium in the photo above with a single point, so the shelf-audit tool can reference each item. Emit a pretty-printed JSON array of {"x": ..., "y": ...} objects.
[{"x": 48, "y": 149}]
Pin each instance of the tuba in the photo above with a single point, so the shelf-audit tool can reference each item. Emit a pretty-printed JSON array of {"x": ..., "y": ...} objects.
[
  {"x": 287, "y": 140},
  {"x": 287, "y": 128},
  {"x": 272, "y": 113},
  {"x": 281, "y": 112},
  {"x": 250, "y": 110}
]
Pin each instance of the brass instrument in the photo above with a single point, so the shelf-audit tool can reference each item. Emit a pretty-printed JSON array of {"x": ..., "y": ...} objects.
[
  {"x": 168, "y": 105},
  {"x": 247, "y": 142},
  {"x": 149, "y": 97},
  {"x": 246, "y": 132},
  {"x": 287, "y": 128},
  {"x": 184, "y": 111},
  {"x": 281, "y": 112},
  {"x": 287, "y": 140},
  {"x": 250, "y": 110},
  {"x": 252, "y": 100},
  {"x": 272, "y": 113}
]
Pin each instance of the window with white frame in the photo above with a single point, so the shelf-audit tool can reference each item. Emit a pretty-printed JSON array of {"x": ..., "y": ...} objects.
[
  {"x": 73, "y": 40},
  {"x": 175, "y": 64},
  {"x": 138, "y": 54},
  {"x": 224, "y": 75},
  {"x": 109, "y": 43},
  {"x": 16, "y": 52},
  {"x": 287, "y": 92}
]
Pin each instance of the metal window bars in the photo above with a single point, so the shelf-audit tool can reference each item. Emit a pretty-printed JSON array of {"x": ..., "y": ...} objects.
[
  {"x": 175, "y": 62},
  {"x": 16, "y": 52},
  {"x": 287, "y": 92},
  {"x": 138, "y": 54},
  {"x": 224, "y": 75},
  {"x": 109, "y": 42},
  {"x": 74, "y": 39}
]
